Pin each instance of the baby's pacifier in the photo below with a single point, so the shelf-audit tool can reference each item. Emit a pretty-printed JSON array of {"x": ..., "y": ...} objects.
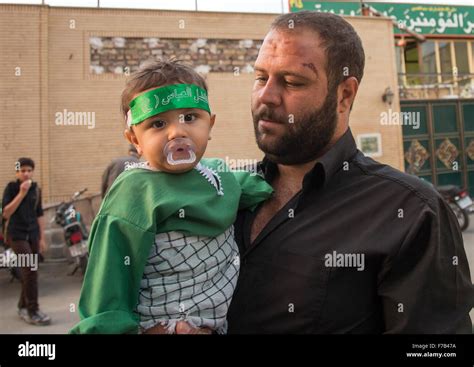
[{"x": 180, "y": 151}]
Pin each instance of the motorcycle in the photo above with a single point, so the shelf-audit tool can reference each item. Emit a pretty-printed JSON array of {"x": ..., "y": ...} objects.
[
  {"x": 75, "y": 232},
  {"x": 459, "y": 201}
]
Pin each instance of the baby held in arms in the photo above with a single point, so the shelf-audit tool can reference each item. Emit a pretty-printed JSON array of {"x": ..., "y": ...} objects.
[{"x": 162, "y": 246}]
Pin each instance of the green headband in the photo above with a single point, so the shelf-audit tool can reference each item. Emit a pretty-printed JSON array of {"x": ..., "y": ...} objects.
[{"x": 170, "y": 97}]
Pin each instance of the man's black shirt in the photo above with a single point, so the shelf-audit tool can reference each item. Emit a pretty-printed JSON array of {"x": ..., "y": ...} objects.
[
  {"x": 362, "y": 248},
  {"x": 23, "y": 223}
]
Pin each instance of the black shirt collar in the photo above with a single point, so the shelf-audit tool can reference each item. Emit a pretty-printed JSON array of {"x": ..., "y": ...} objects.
[{"x": 326, "y": 166}]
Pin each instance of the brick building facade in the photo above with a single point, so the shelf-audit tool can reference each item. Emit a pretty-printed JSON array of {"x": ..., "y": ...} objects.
[{"x": 62, "y": 71}]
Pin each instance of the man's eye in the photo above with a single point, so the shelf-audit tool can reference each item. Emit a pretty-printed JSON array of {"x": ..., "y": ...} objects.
[
  {"x": 158, "y": 124},
  {"x": 260, "y": 79},
  {"x": 292, "y": 84}
]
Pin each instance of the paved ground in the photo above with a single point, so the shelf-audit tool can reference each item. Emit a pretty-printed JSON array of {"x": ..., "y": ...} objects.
[{"x": 59, "y": 293}]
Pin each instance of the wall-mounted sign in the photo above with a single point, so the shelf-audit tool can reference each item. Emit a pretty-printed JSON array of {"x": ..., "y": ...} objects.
[{"x": 421, "y": 18}]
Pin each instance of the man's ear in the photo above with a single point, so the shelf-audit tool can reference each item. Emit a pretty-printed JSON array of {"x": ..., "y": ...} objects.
[
  {"x": 132, "y": 139},
  {"x": 346, "y": 93}
]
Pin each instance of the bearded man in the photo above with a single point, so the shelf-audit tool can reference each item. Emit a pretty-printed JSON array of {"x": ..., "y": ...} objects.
[{"x": 346, "y": 244}]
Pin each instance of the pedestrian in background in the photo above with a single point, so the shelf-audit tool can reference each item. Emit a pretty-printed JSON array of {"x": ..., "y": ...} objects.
[
  {"x": 24, "y": 228},
  {"x": 116, "y": 167}
]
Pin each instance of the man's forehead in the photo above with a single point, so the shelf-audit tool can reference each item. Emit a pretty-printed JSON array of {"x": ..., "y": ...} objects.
[
  {"x": 301, "y": 49},
  {"x": 302, "y": 40}
]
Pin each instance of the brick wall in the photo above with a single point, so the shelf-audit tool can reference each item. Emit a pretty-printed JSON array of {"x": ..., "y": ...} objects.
[{"x": 119, "y": 55}]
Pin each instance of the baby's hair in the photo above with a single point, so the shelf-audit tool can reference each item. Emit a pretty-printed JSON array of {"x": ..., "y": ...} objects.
[{"x": 156, "y": 73}]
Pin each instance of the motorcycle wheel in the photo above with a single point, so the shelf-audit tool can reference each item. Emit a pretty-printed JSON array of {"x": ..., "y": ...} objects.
[{"x": 461, "y": 215}]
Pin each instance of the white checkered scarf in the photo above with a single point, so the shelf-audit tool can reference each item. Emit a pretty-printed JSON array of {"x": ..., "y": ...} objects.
[{"x": 189, "y": 278}]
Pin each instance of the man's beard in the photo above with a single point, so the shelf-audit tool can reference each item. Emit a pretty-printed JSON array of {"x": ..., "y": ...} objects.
[{"x": 305, "y": 139}]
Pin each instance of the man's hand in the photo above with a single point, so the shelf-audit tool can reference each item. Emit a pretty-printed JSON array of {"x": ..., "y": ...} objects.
[
  {"x": 182, "y": 327},
  {"x": 13, "y": 205},
  {"x": 157, "y": 329},
  {"x": 25, "y": 186}
]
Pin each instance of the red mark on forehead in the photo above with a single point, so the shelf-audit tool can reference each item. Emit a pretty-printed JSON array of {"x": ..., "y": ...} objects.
[
  {"x": 272, "y": 44},
  {"x": 311, "y": 67}
]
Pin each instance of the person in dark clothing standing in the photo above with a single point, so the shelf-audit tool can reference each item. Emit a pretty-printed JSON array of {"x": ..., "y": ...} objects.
[
  {"x": 116, "y": 167},
  {"x": 23, "y": 213}
]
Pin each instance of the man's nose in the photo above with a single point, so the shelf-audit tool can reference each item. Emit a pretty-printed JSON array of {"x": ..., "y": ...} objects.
[{"x": 270, "y": 93}]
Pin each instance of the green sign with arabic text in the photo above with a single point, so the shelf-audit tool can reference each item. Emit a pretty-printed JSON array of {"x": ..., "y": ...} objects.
[{"x": 421, "y": 18}]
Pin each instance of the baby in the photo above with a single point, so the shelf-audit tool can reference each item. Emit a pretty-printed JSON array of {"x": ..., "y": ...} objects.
[{"x": 162, "y": 247}]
